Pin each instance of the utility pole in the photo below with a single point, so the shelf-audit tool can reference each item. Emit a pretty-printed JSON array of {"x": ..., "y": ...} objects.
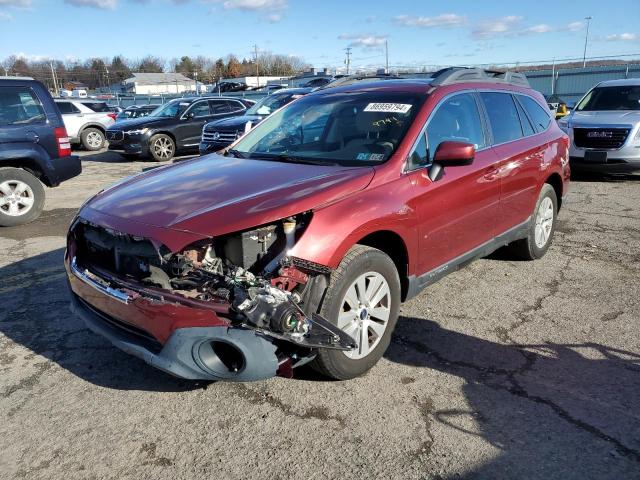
[
  {"x": 586, "y": 39},
  {"x": 195, "y": 75},
  {"x": 348, "y": 60},
  {"x": 553, "y": 75},
  {"x": 255, "y": 50},
  {"x": 55, "y": 81},
  {"x": 386, "y": 55},
  {"x": 106, "y": 69}
]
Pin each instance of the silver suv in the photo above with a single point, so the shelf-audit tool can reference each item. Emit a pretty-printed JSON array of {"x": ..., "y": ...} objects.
[
  {"x": 605, "y": 128},
  {"x": 86, "y": 121}
]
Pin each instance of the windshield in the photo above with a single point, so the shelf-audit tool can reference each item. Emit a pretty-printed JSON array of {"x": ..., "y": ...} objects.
[
  {"x": 611, "y": 98},
  {"x": 361, "y": 128},
  {"x": 170, "y": 109},
  {"x": 271, "y": 103}
]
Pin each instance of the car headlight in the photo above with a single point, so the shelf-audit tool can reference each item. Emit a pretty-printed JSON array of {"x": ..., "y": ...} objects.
[
  {"x": 140, "y": 131},
  {"x": 564, "y": 125}
]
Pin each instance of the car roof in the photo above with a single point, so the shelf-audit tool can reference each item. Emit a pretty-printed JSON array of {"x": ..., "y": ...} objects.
[{"x": 625, "y": 82}]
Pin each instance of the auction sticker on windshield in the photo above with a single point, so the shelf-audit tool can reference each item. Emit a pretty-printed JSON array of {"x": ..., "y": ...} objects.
[{"x": 388, "y": 107}]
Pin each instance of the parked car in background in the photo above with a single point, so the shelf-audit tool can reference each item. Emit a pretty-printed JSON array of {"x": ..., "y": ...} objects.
[
  {"x": 86, "y": 121},
  {"x": 222, "y": 133},
  {"x": 301, "y": 243},
  {"x": 318, "y": 82},
  {"x": 604, "y": 128},
  {"x": 136, "y": 111},
  {"x": 34, "y": 149},
  {"x": 175, "y": 127}
]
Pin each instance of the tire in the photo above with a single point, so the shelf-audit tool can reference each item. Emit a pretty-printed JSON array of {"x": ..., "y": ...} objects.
[
  {"x": 21, "y": 197},
  {"x": 92, "y": 139},
  {"x": 372, "y": 265},
  {"x": 535, "y": 245},
  {"x": 162, "y": 147}
]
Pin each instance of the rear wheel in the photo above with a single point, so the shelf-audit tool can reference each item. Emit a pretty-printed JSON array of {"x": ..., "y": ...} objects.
[
  {"x": 162, "y": 147},
  {"x": 21, "y": 197},
  {"x": 542, "y": 227},
  {"x": 363, "y": 299},
  {"x": 92, "y": 139}
]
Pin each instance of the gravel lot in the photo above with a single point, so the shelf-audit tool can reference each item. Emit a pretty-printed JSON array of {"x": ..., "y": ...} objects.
[{"x": 502, "y": 370}]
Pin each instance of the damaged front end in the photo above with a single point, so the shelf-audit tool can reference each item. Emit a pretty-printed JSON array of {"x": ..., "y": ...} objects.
[{"x": 235, "y": 307}]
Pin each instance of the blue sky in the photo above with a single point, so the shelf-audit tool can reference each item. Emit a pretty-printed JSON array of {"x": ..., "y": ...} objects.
[{"x": 419, "y": 32}]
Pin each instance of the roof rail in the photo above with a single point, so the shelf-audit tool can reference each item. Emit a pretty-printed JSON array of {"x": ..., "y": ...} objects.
[
  {"x": 6, "y": 77},
  {"x": 351, "y": 79},
  {"x": 448, "y": 76}
]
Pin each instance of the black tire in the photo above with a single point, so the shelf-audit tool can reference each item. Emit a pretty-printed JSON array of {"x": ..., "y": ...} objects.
[
  {"x": 8, "y": 176},
  {"x": 359, "y": 260},
  {"x": 527, "y": 248},
  {"x": 157, "y": 153},
  {"x": 92, "y": 139}
]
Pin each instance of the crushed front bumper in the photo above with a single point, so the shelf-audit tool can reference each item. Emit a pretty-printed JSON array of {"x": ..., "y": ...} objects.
[{"x": 180, "y": 339}]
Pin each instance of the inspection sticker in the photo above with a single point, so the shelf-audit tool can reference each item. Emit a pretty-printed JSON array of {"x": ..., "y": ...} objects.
[{"x": 388, "y": 107}]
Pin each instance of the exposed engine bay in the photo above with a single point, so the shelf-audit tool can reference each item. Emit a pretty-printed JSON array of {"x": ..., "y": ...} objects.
[{"x": 266, "y": 290}]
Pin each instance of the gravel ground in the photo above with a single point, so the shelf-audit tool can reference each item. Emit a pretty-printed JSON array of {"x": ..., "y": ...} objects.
[{"x": 502, "y": 370}]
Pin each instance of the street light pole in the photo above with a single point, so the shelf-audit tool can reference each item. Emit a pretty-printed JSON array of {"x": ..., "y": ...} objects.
[{"x": 586, "y": 39}]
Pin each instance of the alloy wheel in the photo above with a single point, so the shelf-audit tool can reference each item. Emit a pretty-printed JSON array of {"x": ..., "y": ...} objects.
[
  {"x": 16, "y": 198},
  {"x": 544, "y": 222},
  {"x": 365, "y": 312},
  {"x": 163, "y": 148},
  {"x": 94, "y": 140}
]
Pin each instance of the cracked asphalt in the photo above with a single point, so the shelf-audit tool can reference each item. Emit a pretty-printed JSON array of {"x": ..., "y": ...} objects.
[{"x": 504, "y": 369}]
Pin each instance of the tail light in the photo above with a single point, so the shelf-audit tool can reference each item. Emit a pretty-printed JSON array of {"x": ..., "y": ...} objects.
[
  {"x": 64, "y": 146},
  {"x": 112, "y": 115}
]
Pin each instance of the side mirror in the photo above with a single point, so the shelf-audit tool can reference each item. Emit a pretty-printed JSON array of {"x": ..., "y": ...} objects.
[{"x": 451, "y": 154}]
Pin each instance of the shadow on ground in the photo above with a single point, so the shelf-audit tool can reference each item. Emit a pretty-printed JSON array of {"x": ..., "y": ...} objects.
[
  {"x": 34, "y": 313},
  {"x": 553, "y": 411}
]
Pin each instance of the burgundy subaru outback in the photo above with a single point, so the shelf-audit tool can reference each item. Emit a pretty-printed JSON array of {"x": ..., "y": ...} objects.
[{"x": 299, "y": 242}]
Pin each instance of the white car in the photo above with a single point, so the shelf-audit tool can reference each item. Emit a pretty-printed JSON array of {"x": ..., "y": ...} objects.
[{"x": 86, "y": 121}]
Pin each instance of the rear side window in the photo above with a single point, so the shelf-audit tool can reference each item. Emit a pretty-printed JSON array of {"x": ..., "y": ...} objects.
[
  {"x": 20, "y": 106},
  {"x": 503, "y": 116},
  {"x": 539, "y": 116},
  {"x": 527, "y": 128},
  {"x": 219, "y": 107},
  {"x": 235, "y": 106},
  {"x": 67, "y": 107},
  {"x": 97, "y": 106},
  {"x": 199, "y": 109},
  {"x": 457, "y": 119}
]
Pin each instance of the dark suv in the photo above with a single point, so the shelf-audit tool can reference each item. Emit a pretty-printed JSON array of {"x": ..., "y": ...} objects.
[
  {"x": 219, "y": 134},
  {"x": 301, "y": 242},
  {"x": 34, "y": 149},
  {"x": 173, "y": 128}
]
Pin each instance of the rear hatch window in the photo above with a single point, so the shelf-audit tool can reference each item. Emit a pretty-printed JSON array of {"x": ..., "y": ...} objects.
[{"x": 20, "y": 105}]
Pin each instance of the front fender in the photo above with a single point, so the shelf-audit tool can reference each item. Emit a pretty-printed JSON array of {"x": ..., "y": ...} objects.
[{"x": 334, "y": 229}]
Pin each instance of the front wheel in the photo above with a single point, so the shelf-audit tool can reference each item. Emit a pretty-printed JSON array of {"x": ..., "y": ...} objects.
[
  {"x": 541, "y": 228},
  {"x": 21, "y": 197},
  {"x": 92, "y": 139},
  {"x": 162, "y": 147},
  {"x": 363, "y": 299}
]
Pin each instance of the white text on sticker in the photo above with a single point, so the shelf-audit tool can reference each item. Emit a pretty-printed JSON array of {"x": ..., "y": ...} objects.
[{"x": 388, "y": 107}]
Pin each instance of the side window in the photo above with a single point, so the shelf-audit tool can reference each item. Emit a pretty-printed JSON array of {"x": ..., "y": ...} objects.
[
  {"x": 458, "y": 119},
  {"x": 19, "y": 105},
  {"x": 199, "y": 109},
  {"x": 419, "y": 157},
  {"x": 218, "y": 107},
  {"x": 527, "y": 129},
  {"x": 539, "y": 116},
  {"x": 66, "y": 107},
  {"x": 235, "y": 106},
  {"x": 503, "y": 116}
]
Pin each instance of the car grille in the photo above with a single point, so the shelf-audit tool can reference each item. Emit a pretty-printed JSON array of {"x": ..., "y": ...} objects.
[
  {"x": 115, "y": 135},
  {"x": 607, "y": 138},
  {"x": 220, "y": 137}
]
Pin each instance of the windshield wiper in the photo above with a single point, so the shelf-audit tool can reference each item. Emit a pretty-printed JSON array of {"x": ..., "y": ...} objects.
[
  {"x": 283, "y": 157},
  {"x": 235, "y": 153}
]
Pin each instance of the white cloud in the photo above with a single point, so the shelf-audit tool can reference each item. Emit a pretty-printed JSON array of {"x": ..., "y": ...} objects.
[
  {"x": 16, "y": 3},
  {"x": 496, "y": 27},
  {"x": 573, "y": 26},
  {"x": 253, "y": 5},
  {"x": 274, "y": 18},
  {"x": 444, "y": 20},
  {"x": 540, "y": 28},
  {"x": 623, "y": 37},
  {"x": 5, "y": 17},
  {"x": 101, "y": 4},
  {"x": 363, "y": 40}
]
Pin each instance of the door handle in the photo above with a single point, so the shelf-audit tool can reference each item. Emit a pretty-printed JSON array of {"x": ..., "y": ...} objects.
[
  {"x": 490, "y": 173},
  {"x": 32, "y": 136}
]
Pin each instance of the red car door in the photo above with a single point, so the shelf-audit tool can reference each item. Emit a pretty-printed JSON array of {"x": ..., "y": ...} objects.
[{"x": 458, "y": 212}]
